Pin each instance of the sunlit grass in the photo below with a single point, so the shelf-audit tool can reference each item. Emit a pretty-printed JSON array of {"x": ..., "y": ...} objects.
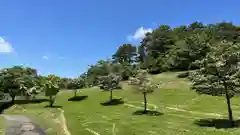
[
  {"x": 2, "y": 125},
  {"x": 181, "y": 108}
]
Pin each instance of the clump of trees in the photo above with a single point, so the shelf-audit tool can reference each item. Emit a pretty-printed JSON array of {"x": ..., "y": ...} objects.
[{"x": 24, "y": 81}]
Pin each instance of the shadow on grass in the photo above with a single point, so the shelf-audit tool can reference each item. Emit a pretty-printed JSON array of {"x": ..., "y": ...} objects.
[
  {"x": 77, "y": 98},
  {"x": 4, "y": 106},
  {"x": 113, "y": 102},
  {"x": 149, "y": 113},
  {"x": 8, "y": 104},
  {"x": 54, "y": 106},
  {"x": 33, "y": 101},
  {"x": 217, "y": 123}
]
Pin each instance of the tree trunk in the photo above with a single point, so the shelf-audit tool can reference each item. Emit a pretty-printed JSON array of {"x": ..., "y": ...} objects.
[
  {"x": 51, "y": 101},
  {"x": 230, "y": 115},
  {"x": 145, "y": 102},
  {"x": 13, "y": 99},
  {"x": 111, "y": 95},
  {"x": 27, "y": 97},
  {"x": 75, "y": 93}
]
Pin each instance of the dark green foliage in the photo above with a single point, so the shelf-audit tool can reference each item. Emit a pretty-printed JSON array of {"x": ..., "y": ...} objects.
[
  {"x": 141, "y": 54},
  {"x": 125, "y": 54},
  {"x": 2, "y": 96},
  {"x": 159, "y": 41},
  {"x": 186, "y": 51},
  {"x": 127, "y": 71},
  {"x": 18, "y": 80}
]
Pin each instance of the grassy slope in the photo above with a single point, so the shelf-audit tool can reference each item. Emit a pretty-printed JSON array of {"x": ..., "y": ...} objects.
[{"x": 88, "y": 115}]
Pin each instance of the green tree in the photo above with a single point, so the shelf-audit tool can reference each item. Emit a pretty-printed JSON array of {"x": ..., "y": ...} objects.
[
  {"x": 28, "y": 86},
  {"x": 51, "y": 88},
  {"x": 110, "y": 83},
  {"x": 143, "y": 84},
  {"x": 17, "y": 80},
  {"x": 2, "y": 96},
  {"x": 219, "y": 73},
  {"x": 75, "y": 84},
  {"x": 159, "y": 41},
  {"x": 126, "y": 53},
  {"x": 185, "y": 52},
  {"x": 141, "y": 53},
  {"x": 195, "y": 26},
  {"x": 157, "y": 45},
  {"x": 8, "y": 84}
]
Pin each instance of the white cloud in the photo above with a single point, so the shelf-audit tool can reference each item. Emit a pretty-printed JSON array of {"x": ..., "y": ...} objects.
[
  {"x": 45, "y": 57},
  {"x": 139, "y": 34},
  {"x": 5, "y": 47},
  {"x": 51, "y": 56},
  {"x": 38, "y": 72}
]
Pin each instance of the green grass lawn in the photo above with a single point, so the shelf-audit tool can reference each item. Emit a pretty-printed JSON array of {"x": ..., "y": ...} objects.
[
  {"x": 2, "y": 125},
  {"x": 181, "y": 108}
]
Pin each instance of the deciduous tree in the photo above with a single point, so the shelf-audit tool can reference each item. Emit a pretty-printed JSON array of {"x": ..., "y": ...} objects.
[
  {"x": 143, "y": 84},
  {"x": 219, "y": 73},
  {"x": 51, "y": 88},
  {"x": 18, "y": 80},
  {"x": 75, "y": 84},
  {"x": 110, "y": 83}
]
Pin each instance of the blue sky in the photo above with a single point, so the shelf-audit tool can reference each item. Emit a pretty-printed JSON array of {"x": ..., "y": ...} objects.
[{"x": 65, "y": 36}]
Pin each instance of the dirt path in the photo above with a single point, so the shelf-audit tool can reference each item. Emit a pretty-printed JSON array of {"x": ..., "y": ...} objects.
[{"x": 21, "y": 125}]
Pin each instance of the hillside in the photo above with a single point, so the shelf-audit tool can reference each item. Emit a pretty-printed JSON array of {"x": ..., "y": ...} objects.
[{"x": 181, "y": 111}]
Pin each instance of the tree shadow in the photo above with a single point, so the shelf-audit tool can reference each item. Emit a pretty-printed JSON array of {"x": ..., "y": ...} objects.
[
  {"x": 5, "y": 105},
  {"x": 8, "y": 104},
  {"x": 148, "y": 112},
  {"x": 113, "y": 102},
  {"x": 54, "y": 106},
  {"x": 183, "y": 75},
  {"x": 32, "y": 101},
  {"x": 217, "y": 123},
  {"x": 77, "y": 98}
]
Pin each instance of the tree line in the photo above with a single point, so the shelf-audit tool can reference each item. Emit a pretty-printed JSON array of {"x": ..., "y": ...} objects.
[
  {"x": 165, "y": 49},
  {"x": 24, "y": 81}
]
